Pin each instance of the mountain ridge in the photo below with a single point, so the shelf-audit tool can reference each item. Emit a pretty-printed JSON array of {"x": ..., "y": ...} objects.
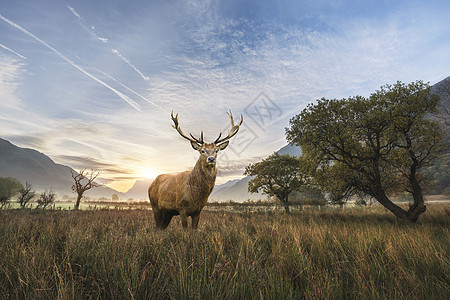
[{"x": 38, "y": 169}]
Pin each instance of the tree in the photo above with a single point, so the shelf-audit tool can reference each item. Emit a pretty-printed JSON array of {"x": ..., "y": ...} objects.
[
  {"x": 45, "y": 199},
  {"x": 377, "y": 146},
  {"x": 277, "y": 175},
  {"x": 84, "y": 180},
  {"x": 8, "y": 188},
  {"x": 115, "y": 197},
  {"x": 332, "y": 182},
  {"x": 25, "y": 195}
]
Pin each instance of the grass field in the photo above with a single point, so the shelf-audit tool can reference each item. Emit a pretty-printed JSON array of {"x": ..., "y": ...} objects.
[{"x": 359, "y": 253}]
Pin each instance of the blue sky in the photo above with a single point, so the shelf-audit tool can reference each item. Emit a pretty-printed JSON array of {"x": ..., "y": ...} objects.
[{"x": 92, "y": 83}]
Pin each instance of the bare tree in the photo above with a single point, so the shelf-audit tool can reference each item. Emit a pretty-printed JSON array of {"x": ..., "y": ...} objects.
[
  {"x": 46, "y": 198},
  {"x": 84, "y": 180},
  {"x": 25, "y": 195}
]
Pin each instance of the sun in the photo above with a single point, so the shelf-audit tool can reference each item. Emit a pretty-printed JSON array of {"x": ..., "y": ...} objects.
[{"x": 149, "y": 173}]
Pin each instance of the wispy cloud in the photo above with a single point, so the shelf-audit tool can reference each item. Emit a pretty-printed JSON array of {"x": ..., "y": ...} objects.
[
  {"x": 62, "y": 56},
  {"x": 93, "y": 163},
  {"x": 11, "y": 70}
]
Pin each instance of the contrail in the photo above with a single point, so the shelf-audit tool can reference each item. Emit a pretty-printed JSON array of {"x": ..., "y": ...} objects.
[
  {"x": 132, "y": 91},
  {"x": 6, "y": 48},
  {"x": 91, "y": 30},
  {"x": 127, "y": 61},
  {"x": 74, "y": 12},
  {"x": 124, "y": 97},
  {"x": 82, "y": 20}
]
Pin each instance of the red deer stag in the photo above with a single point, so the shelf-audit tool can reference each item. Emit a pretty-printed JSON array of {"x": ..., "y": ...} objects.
[{"x": 186, "y": 193}]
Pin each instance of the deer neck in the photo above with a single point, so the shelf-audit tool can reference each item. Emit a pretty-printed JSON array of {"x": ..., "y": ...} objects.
[{"x": 204, "y": 175}]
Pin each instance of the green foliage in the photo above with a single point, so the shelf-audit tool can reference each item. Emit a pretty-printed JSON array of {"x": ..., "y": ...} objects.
[
  {"x": 307, "y": 195},
  {"x": 358, "y": 253},
  {"x": 277, "y": 175},
  {"x": 375, "y": 146},
  {"x": 8, "y": 188}
]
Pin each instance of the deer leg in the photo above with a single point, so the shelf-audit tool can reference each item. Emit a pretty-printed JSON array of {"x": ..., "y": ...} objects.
[
  {"x": 166, "y": 220},
  {"x": 158, "y": 214},
  {"x": 195, "y": 219},
  {"x": 184, "y": 221}
]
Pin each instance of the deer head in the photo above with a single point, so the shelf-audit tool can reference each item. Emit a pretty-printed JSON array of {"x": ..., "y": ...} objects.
[{"x": 208, "y": 151}]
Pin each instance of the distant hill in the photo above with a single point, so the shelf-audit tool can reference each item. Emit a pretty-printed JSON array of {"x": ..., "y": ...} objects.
[
  {"x": 237, "y": 192},
  {"x": 225, "y": 185},
  {"x": 237, "y": 189},
  {"x": 28, "y": 165},
  {"x": 291, "y": 150},
  {"x": 438, "y": 174},
  {"x": 139, "y": 190},
  {"x": 442, "y": 88}
]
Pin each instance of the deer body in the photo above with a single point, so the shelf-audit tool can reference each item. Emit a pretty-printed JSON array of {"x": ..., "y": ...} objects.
[{"x": 186, "y": 193}]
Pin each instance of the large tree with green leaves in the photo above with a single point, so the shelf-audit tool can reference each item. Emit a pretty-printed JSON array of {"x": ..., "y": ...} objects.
[
  {"x": 277, "y": 175},
  {"x": 377, "y": 145}
]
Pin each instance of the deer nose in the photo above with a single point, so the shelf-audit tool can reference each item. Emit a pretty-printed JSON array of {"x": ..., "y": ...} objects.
[{"x": 211, "y": 159}]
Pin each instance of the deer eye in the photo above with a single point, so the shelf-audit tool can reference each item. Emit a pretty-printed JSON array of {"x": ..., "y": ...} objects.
[{"x": 203, "y": 150}]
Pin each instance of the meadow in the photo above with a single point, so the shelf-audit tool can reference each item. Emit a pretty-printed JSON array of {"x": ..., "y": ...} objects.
[{"x": 353, "y": 253}]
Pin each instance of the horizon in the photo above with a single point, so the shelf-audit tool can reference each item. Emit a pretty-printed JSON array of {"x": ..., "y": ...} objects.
[{"x": 92, "y": 85}]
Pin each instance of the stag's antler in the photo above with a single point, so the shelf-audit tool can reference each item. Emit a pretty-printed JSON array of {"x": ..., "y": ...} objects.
[
  {"x": 234, "y": 129},
  {"x": 177, "y": 127}
]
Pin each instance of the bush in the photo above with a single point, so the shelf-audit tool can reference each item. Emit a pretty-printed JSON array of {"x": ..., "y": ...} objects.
[
  {"x": 8, "y": 188},
  {"x": 46, "y": 198}
]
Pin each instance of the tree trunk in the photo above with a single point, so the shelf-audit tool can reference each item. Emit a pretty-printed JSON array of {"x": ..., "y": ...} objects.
[
  {"x": 77, "y": 204},
  {"x": 389, "y": 205},
  {"x": 285, "y": 203},
  {"x": 416, "y": 210},
  {"x": 380, "y": 195},
  {"x": 418, "y": 206}
]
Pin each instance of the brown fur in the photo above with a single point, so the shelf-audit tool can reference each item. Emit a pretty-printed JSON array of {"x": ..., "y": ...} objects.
[{"x": 186, "y": 193}]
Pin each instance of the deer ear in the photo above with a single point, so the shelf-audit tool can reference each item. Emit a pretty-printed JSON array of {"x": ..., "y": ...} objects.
[
  {"x": 223, "y": 145},
  {"x": 196, "y": 146}
]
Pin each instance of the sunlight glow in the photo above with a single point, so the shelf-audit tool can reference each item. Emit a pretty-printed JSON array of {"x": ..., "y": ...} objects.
[{"x": 149, "y": 173}]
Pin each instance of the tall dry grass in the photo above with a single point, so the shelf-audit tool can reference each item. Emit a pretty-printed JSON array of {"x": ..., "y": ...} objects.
[{"x": 348, "y": 254}]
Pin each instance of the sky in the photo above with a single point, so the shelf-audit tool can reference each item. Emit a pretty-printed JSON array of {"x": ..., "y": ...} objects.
[{"x": 92, "y": 83}]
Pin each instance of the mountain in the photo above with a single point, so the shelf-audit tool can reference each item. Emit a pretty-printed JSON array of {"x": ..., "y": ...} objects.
[
  {"x": 139, "y": 190},
  {"x": 237, "y": 192},
  {"x": 237, "y": 189},
  {"x": 227, "y": 184},
  {"x": 291, "y": 150},
  {"x": 28, "y": 165},
  {"x": 442, "y": 89}
]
